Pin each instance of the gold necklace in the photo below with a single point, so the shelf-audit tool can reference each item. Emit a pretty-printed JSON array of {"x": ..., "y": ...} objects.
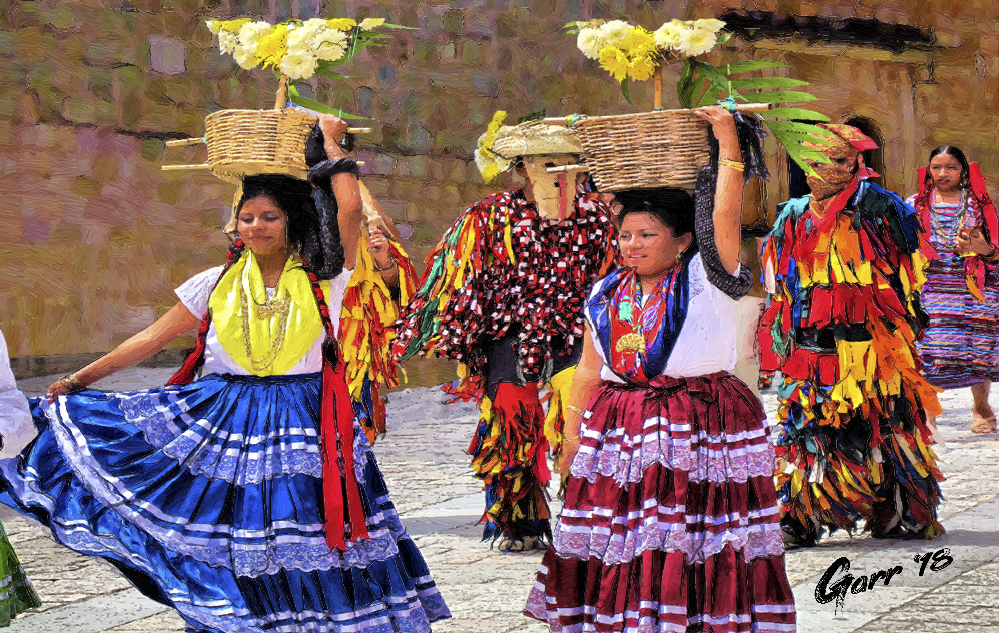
[{"x": 270, "y": 308}]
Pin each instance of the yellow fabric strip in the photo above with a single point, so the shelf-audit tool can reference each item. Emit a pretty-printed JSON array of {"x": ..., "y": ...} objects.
[{"x": 243, "y": 284}]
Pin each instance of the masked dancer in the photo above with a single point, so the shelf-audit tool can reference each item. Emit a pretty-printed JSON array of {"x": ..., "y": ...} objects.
[
  {"x": 503, "y": 294},
  {"x": 248, "y": 499},
  {"x": 844, "y": 266}
]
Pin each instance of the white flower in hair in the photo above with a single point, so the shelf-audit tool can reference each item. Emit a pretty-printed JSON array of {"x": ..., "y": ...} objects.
[
  {"x": 696, "y": 42},
  {"x": 615, "y": 32},
  {"x": 227, "y": 42},
  {"x": 298, "y": 65},
  {"x": 330, "y": 44},
  {"x": 590, "y": 41}
]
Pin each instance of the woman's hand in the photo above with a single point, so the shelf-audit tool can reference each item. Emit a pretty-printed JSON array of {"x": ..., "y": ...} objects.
[
  {"x": 378, "y": 246},
  {"x": 972, "y": 242},
  {"x": 334, "y": 131},
  {"x": 723, "y": 126},
  {"x": 66, "y": 384}
]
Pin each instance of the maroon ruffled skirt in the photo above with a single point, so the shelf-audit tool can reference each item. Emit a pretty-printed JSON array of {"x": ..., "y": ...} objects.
[{"x": 670, "y": 521}]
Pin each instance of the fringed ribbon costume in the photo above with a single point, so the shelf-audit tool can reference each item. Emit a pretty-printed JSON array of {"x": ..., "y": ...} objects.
[
  {"x": 841, "y": 326},
  {"x": 670, "y": 520},
  {"x": 369, "y": 310},
  {"x": 249, "y": 499},
  {"x": 503, "y": 294},
  {"x": 960, "y": 347}
]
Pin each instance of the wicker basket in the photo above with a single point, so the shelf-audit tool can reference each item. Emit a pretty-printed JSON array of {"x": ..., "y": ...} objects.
[
  {"x": 249, "y": 142},
  {"x": 641, "y": 151}
]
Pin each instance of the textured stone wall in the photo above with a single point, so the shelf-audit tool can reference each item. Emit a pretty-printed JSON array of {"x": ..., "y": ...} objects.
[{"x": 96, "y": 236}]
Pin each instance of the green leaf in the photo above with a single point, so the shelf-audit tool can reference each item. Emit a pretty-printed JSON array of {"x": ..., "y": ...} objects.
[
  {"x": 717, "y": 78},
  {"x": 778, "y": 96},
  {"x": 747, "y": 66},
  {"x": 760, "y": 83},
  {"x": 683, "y": 87},
  {"x": 802, "y": 128},
  {"x": 315, "y": 106},
  {"x": 710, "y": 97},
  {"x": 795, "y": 113},
  {"x": 395, "y": 26},
  {"x": 292, "y": 90},
  {"x": 723, "y": 37},
  {"x": 625, "y": 91}
]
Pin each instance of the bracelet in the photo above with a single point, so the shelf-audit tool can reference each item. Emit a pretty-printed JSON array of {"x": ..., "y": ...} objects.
[
  {"x": 374, "y": 265},
  {"x": 71, "y": 382},
  {"x": 732, "y": 164},
  {"x": 570, "y": 439},
  {"x": 992, "y": 257},
  {"x": 576, "y": 410}
]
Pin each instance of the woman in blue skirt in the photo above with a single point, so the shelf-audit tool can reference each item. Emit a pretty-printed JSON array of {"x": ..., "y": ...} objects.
[{"x": 248, "y": 499}]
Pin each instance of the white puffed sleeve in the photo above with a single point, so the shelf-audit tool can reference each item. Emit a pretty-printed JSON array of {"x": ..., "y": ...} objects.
[
  {"x": 194, "y": 292},
  {"x": 16, "y": 425}
]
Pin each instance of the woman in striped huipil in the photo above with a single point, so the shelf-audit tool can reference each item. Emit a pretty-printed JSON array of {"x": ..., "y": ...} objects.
[{"x": 960, "y": 348}]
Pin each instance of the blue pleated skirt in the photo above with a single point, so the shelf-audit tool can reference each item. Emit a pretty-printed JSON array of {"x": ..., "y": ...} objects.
[{"x": 208, "y": 497}]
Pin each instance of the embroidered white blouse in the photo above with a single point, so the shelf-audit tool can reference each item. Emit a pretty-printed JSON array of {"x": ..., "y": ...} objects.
[
  {"x": 707, "y": 339},
  {"x": 194, "y": 294}
]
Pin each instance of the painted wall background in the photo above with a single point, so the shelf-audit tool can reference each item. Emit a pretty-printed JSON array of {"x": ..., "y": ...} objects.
[{"x": 95, "y": 237}]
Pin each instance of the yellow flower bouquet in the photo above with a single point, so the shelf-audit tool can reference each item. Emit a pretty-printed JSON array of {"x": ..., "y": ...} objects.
[
  {"x": 298, "y": 50},
  {"x": 631, "y": 52},
  {"x": 246, "y": 142}
]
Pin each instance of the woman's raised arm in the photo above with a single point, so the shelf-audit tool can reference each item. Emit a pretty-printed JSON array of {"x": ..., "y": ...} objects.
[
  {"x": 727, "y": 215},
  {"x": 345, "y": 190},
  {"x": 175, "y": 322}
]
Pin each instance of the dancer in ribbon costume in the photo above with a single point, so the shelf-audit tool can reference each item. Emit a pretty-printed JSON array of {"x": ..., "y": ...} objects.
[
  {"x": 670, "y": 520},
  {"x": 16, "y": 431},
  {"x": 383, "y": 280},
  {"x": 844, "y": 267},
  {"x": 248, "y": 499},
  {"x": 503, "y": 294},
  {"x": 960, "y": 347}
]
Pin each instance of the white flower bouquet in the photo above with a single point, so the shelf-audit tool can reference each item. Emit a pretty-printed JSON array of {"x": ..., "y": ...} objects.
[
  {"x": 633, "y": 52},
  {"x": 297, "y": 50}
]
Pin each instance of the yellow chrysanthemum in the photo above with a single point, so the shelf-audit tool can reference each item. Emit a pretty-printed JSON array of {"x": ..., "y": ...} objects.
[
  {"x": 371, "y": 23},
  {"x": 272, "y": 47},
  {"x": 614, "y": 61},
  {"x": 642, "y": 68},
  {"x": 341, "y": 24},
  {"x": 640, "y": 42},
  {"x": 231, "y": 26},
  {"x": 489, "y": 163}
]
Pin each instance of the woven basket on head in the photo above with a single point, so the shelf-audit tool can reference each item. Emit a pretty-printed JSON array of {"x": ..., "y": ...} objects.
[
  {"x": 645, "y": 150},
  {"x": 250, "y": 142}
]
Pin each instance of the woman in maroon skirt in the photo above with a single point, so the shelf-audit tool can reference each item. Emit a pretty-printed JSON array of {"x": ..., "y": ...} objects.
[{"x": 670, "y": 521}]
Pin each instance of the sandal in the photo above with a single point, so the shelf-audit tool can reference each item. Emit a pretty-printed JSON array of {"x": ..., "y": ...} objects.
[{"x": 983, "y": 425}]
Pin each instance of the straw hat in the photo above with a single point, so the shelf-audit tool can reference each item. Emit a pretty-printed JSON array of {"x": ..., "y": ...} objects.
[{"x": 533, "y": 139}]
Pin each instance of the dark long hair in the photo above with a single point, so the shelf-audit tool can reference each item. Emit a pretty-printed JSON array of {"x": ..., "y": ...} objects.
[
  {"x": 319, "y": 240},
  {"x": 924, "y": 195},
  {"x": 673, "y": 207}
]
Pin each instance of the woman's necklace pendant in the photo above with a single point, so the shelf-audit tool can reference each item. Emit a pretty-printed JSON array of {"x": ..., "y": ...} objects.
[
  {"x": 631, "y": 342},
  {"x": 271, "y": 308}
]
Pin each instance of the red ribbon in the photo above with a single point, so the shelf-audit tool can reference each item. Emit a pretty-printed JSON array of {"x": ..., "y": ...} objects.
[{"x": 345, "y": 518}]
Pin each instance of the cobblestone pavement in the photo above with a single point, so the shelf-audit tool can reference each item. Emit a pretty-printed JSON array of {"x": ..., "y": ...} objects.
[{"x": 424, "y": 464}]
